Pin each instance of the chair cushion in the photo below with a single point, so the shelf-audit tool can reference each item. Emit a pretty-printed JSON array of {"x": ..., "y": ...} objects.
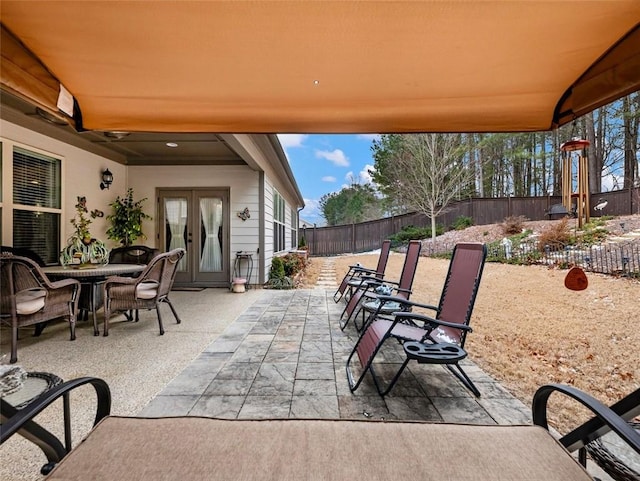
[
  {"x": 147, "y": 290},
  {"x": 179, "y": 448},
  {"x": 30, "y": 301}
]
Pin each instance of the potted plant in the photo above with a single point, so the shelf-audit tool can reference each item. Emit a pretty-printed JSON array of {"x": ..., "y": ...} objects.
[
  {"x": 81, "y": 247},
  {"x": 126, "y": 219}
]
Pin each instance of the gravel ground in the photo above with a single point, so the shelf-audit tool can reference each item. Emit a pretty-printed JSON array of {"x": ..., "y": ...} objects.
[
  {"x": 494, "y": 232},
  {"x": 528, "y": 329}
]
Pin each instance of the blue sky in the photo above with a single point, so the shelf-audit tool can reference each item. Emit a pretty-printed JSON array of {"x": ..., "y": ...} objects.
[{"x": 326, "y": 163}]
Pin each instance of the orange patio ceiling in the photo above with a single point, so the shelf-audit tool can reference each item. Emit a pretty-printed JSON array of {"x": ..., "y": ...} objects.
[{"x": 339, "y": 66}]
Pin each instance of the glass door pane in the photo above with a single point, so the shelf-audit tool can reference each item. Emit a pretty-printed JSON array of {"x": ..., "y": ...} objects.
[
  {"x": 211, "y": 239},
  {"x": 175, "y": 215}
]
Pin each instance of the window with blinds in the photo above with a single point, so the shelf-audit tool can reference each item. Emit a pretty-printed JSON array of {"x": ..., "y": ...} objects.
[{"x": 36, "y": 186}]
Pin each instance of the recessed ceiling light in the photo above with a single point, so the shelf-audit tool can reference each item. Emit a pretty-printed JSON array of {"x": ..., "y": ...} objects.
[
  {"x": 171, "y": 144},
  {"x": 316, "y": 82},
  {"x": 56, "y": 119},
  {"x": 116, "y": 134}
]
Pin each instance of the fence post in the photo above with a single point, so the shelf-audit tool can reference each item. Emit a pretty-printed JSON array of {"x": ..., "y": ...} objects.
[{"x": 353, "y": 237}]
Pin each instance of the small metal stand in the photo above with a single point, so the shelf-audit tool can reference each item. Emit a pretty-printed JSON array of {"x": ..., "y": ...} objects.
[{"x": 247, "y": 258}]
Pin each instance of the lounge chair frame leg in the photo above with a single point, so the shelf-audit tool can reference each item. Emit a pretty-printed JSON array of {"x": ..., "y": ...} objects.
[
  {"x": 350, "y": 309},
  {"x": 458, "y": 372}
]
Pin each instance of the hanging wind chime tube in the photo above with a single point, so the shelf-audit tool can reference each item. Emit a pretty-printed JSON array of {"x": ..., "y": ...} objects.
[{"x": 578, "y": 148}]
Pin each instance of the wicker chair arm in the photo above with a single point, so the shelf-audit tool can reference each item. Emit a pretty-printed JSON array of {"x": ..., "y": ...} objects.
[
  {"x": 62, "y": 283},
  {"x": 118, "y": 280}
]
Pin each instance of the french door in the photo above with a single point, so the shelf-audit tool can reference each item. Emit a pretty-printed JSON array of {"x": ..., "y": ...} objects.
[{"x": 198, "y": 221}]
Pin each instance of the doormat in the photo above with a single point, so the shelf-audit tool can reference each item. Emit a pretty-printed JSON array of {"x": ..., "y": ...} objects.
[{"x": 188, "y": 289}]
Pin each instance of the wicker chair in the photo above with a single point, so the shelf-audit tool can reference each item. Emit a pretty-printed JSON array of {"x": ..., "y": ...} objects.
[
  {"x": 146, "y": 291},
  {"x": 28, "y": 297},
  {"x": 137, "y": 254}
]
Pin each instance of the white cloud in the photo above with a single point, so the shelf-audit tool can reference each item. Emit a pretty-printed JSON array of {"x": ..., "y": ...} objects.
[
  {"x": 292, "y": 140},
  {"x": 369, "y": 136},
  {"x": 363, "y": 177},
  {"x": 336, "y": 157},
  {"x": 311, "y": 212},
  {"x": 328, "y": 178}
]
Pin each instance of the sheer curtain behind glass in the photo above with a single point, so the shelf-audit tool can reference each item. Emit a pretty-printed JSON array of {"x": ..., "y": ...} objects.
[
  {"x": 176, "y": 218},
  {"x": 211, "y": 214}
]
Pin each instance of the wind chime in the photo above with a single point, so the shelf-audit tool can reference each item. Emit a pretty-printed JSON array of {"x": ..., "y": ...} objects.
[{"x": 576, "y": 149}]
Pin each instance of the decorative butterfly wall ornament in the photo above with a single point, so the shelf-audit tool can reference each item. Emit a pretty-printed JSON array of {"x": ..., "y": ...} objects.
[
  {"x": 82, "y": 203},
  {"x": 244, "y": 214}
]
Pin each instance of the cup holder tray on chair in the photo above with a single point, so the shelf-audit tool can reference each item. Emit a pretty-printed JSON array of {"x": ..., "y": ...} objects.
[{"x": 440, "y": 353}]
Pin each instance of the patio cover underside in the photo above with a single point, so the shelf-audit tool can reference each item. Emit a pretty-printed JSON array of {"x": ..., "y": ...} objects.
[{"x": 349, "y": 66}]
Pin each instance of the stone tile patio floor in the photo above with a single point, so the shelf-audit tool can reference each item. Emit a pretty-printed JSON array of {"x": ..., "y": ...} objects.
[{"x": 284, "y": 357}]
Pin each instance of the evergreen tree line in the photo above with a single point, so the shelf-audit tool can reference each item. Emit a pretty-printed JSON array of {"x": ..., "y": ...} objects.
[{"x": 425, "y": 172}]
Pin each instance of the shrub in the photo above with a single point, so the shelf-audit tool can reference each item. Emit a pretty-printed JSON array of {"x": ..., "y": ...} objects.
[
  {"x": 593, "y": 232},
  {"x": 462, "y": 222},
  {"x": 302, "y": 244},
  {"x": 513, "y": 224},
  {"x": 556, "y": 235},
  {"x": 411, "y": 232},
  {"x": 277, "y": 269},
  {"x": 293, "y": 263}
]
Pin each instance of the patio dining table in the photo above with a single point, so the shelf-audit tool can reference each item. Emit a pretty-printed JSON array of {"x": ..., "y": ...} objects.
[{"x": 91, "y": 277}]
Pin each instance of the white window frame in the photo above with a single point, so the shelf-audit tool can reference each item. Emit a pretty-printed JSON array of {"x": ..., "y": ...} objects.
[
  {"x": 279, "y": 222},
  {"x": 7, "y": 204}
]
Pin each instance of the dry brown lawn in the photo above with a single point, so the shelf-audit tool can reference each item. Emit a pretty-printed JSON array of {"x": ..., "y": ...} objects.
[{"x": 530, "y": 330}]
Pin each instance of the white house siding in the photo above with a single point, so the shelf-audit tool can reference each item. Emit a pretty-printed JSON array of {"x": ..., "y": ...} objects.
[
  {"x": 270, "y": 186},
  {"x": 243, "y": 186},
  {"x": 261, "y": 155},
  {"x": 81, "y": 176}
]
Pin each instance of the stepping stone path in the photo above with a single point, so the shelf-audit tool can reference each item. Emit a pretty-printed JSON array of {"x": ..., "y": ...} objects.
[
  {"x": 630, "y": 236},
  {"x": 327, "y": 277}
]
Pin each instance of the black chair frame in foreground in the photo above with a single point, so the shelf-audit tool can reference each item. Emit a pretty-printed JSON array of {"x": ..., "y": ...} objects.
[
  {"x": 21, "y": 420},
  {"x": 614, "y": 418}
]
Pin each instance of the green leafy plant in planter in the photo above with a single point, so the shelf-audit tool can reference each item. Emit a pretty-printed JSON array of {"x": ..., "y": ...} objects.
[
  {"x": 126, "y": 219},
  {"x": 81, "y": 248}
]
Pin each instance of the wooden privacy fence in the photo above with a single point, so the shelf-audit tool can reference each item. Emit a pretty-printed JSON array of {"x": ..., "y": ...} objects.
[{"x": 367, "y": 236}]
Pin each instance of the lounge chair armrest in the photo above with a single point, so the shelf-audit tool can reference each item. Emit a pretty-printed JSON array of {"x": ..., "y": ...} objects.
[
  {"x": 422, "y": 306},
  {"x": 606, "y": 419},
  {"x": 363, "y": 269},
  {"x": 400, "y": 300},
  {"x": 430, "y": 321},
  {"x": 372, "y": 279},
  {"x": 25, "y": 415}
]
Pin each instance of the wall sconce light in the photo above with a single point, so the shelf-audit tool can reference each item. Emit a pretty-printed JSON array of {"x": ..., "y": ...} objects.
[{"x": 107, "y": 179}]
